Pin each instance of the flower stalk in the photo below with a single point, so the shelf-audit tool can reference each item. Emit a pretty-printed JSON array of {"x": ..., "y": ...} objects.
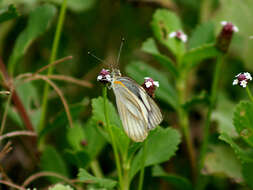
[{"x": 144, "y": 155}]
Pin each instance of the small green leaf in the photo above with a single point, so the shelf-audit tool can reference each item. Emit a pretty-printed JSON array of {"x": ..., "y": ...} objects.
[
  {"x": 222, "y": 160},
  {"x": 193, "y": 57},
  {"x": 161, "y": 146},
  {"x": 177, "y": 181},
  {"x": 52, "y": 161},
  {"x": 9, "y": 13},
  {"x": 138, "y": 70},
  {"x": 163, "y": 23},
  {"x": 149, "y": 46},
  {"x": 203, "y": 34},
  {"x": 38, "y": 22},
  {"x": 243, "y": 121},
  {"x": 75, "y": 136},
  {"x": 98, "y": 112},
  {"x": 61, "y": 187},
  {"x": 83, "y": 175}
]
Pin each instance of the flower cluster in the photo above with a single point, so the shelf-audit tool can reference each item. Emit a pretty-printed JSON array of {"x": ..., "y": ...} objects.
[
  {"x": 225, "y": 36},
  {"x": 150, "y": 86},
  {"x": 242, "y": 79},
  {"x": 104, "y": 76},
  {"x": 179, "y": 35}
]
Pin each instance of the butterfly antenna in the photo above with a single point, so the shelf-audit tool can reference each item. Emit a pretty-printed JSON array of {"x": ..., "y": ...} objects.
[
  {"x": 120, "y": 49},
  {"x": 97, "y": 58}
]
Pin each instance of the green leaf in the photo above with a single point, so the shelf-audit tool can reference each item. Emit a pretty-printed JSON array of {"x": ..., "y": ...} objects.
[
  {"x": 61, "y": 187},
  {"x": 78, "y": 5},
  {"x": 138, "y": 70},
  {"x": 149, "y": 46},
  {"x": 52, "y": 161},
  {"x": 247, "y": 170},
  {"x": 80, "y": 159},
  {"x": 103, "y": 182},
  {"x": 243, "y": 121},
  {"x": 163, "y": 23},
  {"x": 177, "y": 181},
  {"x": 75, "y": 136},
  {"x": 162, "y": 145},
  {"x": 9, "y": 13},
  {"x": 222, "y": 160},
  {"x": 193, "y": 57},
  {"x": 38, "y": 22},
  {"x": 98, "y": 112},
  {"x": 203, "y": 34}
]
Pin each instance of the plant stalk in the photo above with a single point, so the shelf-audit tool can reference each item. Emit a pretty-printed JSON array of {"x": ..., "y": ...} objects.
[
  {"x": 109, "y": 129},
  {"x": 249, "y": 93},
  {"x": 213, "y": 97},
  {"x": 52, "y": 59},
  {"x": 144, "y": 155}
]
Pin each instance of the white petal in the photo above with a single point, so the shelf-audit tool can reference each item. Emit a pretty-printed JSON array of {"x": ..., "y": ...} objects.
[
  {"x": 238, "y": 75},
  {"x": 99, "y": 77},
  {"x": 108, "y": 77},
  {"x": 223, "y": 23},
  {"x": 156, "y": 83},
  {"x": 146, "y": 78},
  {"x": 248, "y": 76},
  {"x": 184, "y": 37},
  {"x": 172, "y": 34},
  {"x": 148, "y": 84},
  {"x": 235, "y": 82},
  {"x": 235, "y": 29},
  {"x": 243, "y": 83}
]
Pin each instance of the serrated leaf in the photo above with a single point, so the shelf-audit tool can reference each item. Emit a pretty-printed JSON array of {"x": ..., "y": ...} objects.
[
  {"x": 61, "y": 187},
  {"x": 163, "y": 23},
  {"x": 203, "y": 34},
  {"x": 243, "y": 121},
  {"x": 38, "y": 22},
  {"x": 138, "y": 70},
  {"x": 161, "y": 146},
  {"x": 149, "y": 46},
  {"x": 177, "y": 181},
  {"x": 9, "y": 13},
  {"x": 83, "y": 175},
  {"x": 52, "y": 161},
  {"x": 222, "y": 160},
  {"x": 193, "y": 57}
]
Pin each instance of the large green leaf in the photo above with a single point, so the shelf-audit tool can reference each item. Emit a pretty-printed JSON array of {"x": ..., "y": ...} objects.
[
  {"x": 161, "y": 146},
  {"x": 83, "y": 175},
  {"x": 177, "y": 181},
  {"x": 149, "y": 46},
  {"x": 163, "y": 23},
  {"x": 9, "y": 13},
  {"x": 222, "y": 160},
  {"x": 138, "y": 70},
  {"x": 52, "y": 161},
  {"x": 243, "y": 121},
  {"x": 38, "y": 22},
  {"x": 203, "y": 34},
  {"x": 193, "y": 57}
]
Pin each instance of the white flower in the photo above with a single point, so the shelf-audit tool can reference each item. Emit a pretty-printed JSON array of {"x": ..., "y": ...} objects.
[
  {"x": 248, "y": 76},
  {"x": 148, "y": 84},
  {"x": 99, "y": 77},
  {"x": 172, "y": 34},
  {"x": 156, "y": 83},
  {"x": 243, "y": 83},
  {"x": 179, "y": 35},
  {"x": 235, "y": 82}
]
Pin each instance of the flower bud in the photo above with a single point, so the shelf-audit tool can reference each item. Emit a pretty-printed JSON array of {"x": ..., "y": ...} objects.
[
  {"x": 104, "y": 76},
  {"x": 242, "y": 79},
  {"x": 178, "y": 35},
  {"x": 150, "y": 86}
]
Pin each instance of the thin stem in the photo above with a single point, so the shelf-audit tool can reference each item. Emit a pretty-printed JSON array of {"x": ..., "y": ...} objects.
[
  {"x": 184, "y": 123},
  {"x": 144, "y": 155},
  {"x": 115, "y": 150},
  {"x": 96, "y": 169},
  {"x": 17, "y": 133},
  {"x": 52, "y": 59},
  {"x": 5, "y": 114},
  {"x": 213, "y": 96},
  {"x": 249, "y": 93}
]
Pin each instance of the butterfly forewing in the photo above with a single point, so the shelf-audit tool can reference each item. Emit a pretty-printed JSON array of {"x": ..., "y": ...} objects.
[{"x": 138, "y": 112}]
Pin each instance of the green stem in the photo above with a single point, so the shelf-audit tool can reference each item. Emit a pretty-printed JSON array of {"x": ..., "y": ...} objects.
[
  {"x": 249, "y": 93},
  {"x": 213, "y": 96},
  {"x": 184, "y": 123},
  {"x": 109, "y": 129},
  {"x": 144, "y": 155},
  {"x": 96, "y": 169},
  {"x": 52, "y": 59}
]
